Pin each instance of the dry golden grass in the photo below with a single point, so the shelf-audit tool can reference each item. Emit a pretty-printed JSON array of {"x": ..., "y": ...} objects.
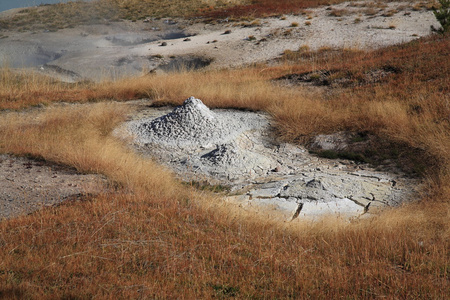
[
  {"x": 154, "y": 239},
  {"x": 58, "y": 135},
  {"x": 150, "y": 237},
  {"x": 24, "y": 88}
]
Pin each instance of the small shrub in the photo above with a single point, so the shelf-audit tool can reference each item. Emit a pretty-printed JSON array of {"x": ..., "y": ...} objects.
[
  {"x": 370, "y": 11},
  {"x": 417, "y": 6},
  {"x": 303, "y": 48},
  {"x": 390, "y": 13},
  {"x": 339, "y": 12},
  {"x": 443, "y": 15},
  {"x": 294, "y": 24},
  {"x": 287, "y": 32},
  {"x": 307, "y": 23},
  {"x": 256, "y": 23}
]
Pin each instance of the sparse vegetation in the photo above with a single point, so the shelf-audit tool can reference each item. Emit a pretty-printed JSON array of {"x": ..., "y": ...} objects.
[
  {"x": 442, "y": 14},
  {"x": 68, "y": 15},
  {"x": 152, "y": 237},
  {"x": 339, "y": 12},
  {"x": 390, "y": 13},
  {"x": 255, "y": 23},
  {"x": 371, "y": 11}
]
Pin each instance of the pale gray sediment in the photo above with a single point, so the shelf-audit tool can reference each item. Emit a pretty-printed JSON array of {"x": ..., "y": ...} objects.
[
  {"x": 193, "y": 125},
  {"x": 127, "y": 48},
  {"x": 237, "y": 149},
  {"x": 26, "y": 185}
]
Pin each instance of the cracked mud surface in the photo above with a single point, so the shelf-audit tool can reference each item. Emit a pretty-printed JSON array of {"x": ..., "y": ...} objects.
[{"x": 263, "y": 172}]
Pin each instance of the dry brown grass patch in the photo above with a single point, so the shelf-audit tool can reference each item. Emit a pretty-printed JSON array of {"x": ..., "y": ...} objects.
[
  {"x": 73, "y": 13},
  {"x": 153, "y": 238},
  {"x": 80, "y": 137}
]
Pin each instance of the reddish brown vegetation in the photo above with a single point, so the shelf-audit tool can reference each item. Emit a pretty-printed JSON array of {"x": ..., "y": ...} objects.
[
  {"x": 152, "y": 238},
  {"x": 264, "y": 8}
]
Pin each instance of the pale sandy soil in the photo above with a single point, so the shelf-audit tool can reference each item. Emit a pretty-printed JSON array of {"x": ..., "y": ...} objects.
[{"x": 126, "y": 48}]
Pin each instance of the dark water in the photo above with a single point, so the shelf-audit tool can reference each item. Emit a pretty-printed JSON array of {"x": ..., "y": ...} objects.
[{"x": 9, "y": 4}]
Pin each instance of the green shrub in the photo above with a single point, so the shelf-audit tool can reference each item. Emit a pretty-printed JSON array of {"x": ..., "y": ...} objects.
[{"x": 443, "y": 15}]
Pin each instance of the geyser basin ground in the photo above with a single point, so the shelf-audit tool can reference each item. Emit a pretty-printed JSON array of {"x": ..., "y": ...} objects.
[
  {"x": 237, "y": 149},
  {"x": 126, "y": 48}
]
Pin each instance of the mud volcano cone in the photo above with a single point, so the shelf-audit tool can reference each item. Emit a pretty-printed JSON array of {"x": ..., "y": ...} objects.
[{"x": 189, "y": 124}]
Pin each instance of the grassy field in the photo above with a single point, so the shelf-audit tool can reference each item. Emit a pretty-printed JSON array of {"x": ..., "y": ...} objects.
[{"x": 149, "y": 236}]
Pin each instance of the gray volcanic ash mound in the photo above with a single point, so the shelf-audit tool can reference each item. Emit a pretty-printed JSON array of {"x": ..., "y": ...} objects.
[{"x": 191, "y": 124}]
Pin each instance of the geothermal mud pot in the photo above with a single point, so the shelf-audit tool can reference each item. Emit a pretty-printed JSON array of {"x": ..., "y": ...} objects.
[{"x": 238, "y": 149}]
